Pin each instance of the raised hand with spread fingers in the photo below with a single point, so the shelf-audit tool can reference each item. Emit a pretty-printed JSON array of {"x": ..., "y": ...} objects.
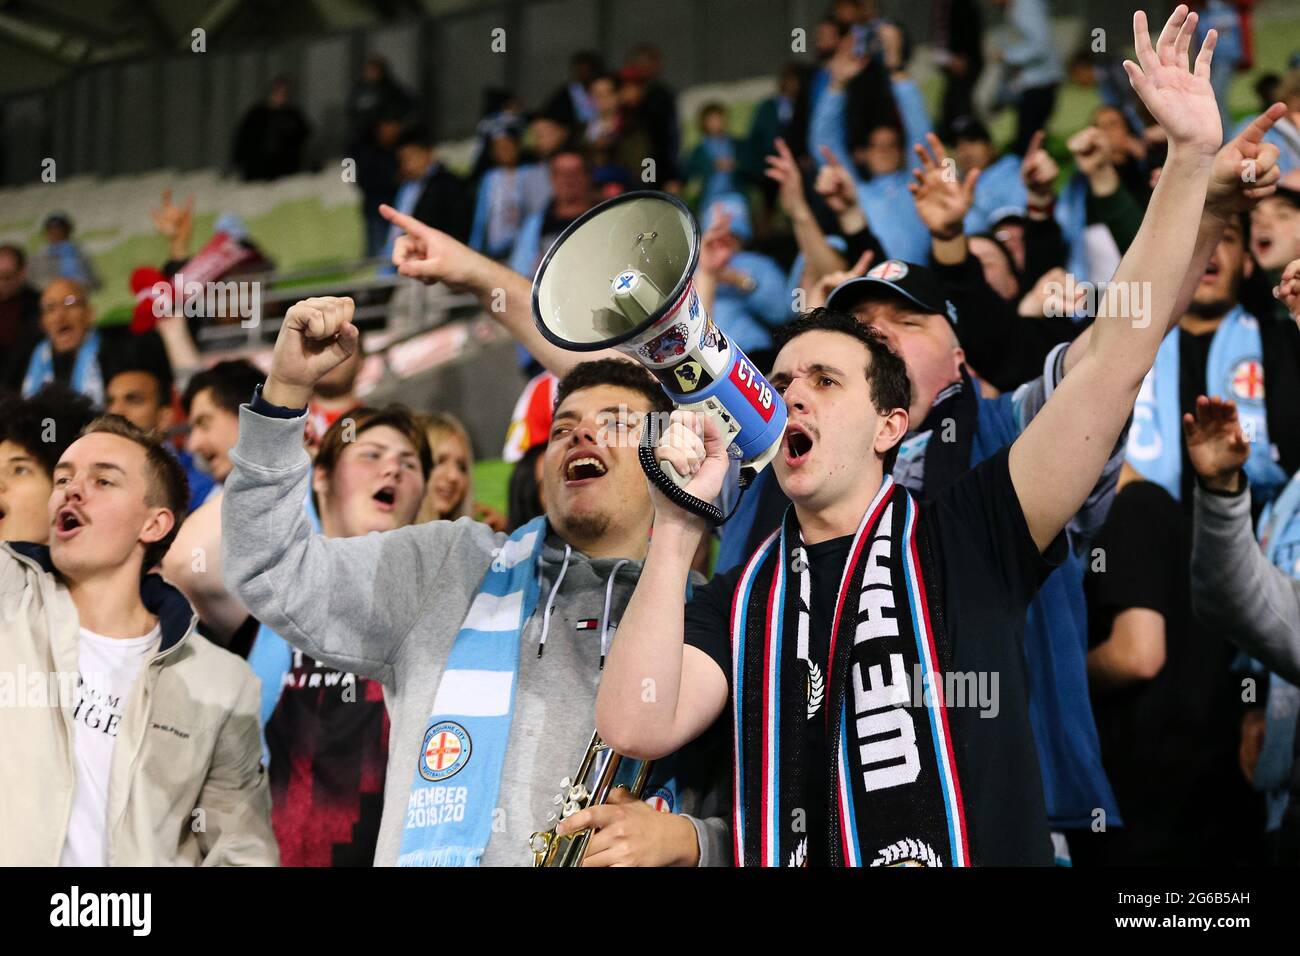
[{"x": 942, "y": 198}]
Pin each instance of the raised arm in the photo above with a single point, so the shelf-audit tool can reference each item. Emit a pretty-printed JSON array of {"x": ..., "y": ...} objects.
[
  {"x": 1245, "y": 171},
  {"x": 839, "y": 190},
  {"x": 917, "y": 125},
  {"x": 1002, "y": 346},
  {"x": 431, "y": 255},
  {"x": 657, "y": 694},
  {"x": 828, "y": 125},
  {"x": 1235, "y": 588},
  {"x": 193, "y": 564},
  {"x": 819, "y": 257},
  {"x": 349, "y": 602},
  {"x": 1056, "y": 461}
]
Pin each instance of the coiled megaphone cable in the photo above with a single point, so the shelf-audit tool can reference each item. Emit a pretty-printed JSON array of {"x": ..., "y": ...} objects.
[{"x": 675, "y": 492}]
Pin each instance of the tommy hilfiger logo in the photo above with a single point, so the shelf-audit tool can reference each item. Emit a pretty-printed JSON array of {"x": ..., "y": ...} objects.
[{"x": 171, "y": 730}]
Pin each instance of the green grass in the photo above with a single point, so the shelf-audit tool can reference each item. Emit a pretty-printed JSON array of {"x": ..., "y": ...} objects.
[
  {"x": 296, "y": 235},
  {"x": 492, "y": 482}
]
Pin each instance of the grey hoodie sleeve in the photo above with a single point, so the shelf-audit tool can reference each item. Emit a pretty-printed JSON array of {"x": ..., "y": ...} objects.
[
  {"x": 714, "y": 836},
  {"x": 1236, "y": 589},
  {"x": 349, "y": 602}
]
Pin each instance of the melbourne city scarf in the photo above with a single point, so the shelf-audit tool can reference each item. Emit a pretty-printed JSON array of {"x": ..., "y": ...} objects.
[
  {"x": 86, "y": 376},
  {"x": 891, "y": 777},
  {"x": 1235, "y": 369},
  {"x": 458, "y": 770}
]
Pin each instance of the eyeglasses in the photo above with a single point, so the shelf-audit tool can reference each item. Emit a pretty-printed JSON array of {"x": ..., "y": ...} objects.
[{"x": 67, "y": 302}]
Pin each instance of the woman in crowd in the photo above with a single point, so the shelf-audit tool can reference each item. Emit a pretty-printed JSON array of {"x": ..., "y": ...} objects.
[{"x": 449, "y": 494}]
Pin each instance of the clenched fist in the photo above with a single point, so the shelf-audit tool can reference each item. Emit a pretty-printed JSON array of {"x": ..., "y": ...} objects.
[
  {"x": 693, "y": 446},
  {"x": 317, "y": 335}
]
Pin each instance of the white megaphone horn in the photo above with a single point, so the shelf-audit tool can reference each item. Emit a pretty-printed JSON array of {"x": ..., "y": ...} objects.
[{"x": 621, "y": 276}]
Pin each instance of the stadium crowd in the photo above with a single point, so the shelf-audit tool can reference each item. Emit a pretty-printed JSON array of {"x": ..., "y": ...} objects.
[{"x": 295, "y": 636}]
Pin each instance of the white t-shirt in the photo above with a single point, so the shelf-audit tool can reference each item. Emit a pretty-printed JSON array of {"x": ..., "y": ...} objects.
[{"x": 108, "y": 667}]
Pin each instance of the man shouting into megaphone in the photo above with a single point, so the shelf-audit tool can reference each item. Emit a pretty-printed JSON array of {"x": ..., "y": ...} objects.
[
  {"x": 453, "y": 620},
  {"x": 844, "y": 650}
]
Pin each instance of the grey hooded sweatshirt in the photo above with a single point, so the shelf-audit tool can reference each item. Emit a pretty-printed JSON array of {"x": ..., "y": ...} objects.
[{"x": 388, "y": 606}]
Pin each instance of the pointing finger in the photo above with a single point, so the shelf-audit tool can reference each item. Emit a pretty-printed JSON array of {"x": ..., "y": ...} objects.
[{"x": 402, "y": 221}]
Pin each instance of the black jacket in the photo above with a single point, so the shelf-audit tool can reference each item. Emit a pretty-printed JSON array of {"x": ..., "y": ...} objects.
[
  {"x": 446, "y": 204},
  {"x": 20, "y": 330}
]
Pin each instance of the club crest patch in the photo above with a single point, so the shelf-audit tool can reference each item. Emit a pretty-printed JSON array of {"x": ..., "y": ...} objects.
[
  {"x": 445, "y": 752},
  {"x": 889, "y": 270},
  {"x": 1247, "y": 381},
  {"x": 667, "y": 346},
  {"x": 661, "y": 800}
]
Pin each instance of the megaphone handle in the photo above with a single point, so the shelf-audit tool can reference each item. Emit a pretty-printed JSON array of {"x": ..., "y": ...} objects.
[{"x": 666, "y": 478}]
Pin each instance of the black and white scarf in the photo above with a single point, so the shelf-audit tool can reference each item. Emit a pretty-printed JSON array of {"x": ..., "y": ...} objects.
[{"x": 891, "y": 774}]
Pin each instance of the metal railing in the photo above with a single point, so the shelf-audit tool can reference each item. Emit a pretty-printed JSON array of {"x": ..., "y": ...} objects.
[{"x": 379, "y": 312}]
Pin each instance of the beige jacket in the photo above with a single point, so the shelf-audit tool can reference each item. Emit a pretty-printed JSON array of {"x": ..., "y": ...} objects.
[{"x": 186, "y": 787}]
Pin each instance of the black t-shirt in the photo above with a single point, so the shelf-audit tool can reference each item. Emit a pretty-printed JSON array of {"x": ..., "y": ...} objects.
[
  {"x": 328, "y": 741},
  {"x": 1193, "y": 365},
  {"x": 63, "y": 364},
  {"x": 990, "y": 570},
  {"x": 1169, "y": 744}
]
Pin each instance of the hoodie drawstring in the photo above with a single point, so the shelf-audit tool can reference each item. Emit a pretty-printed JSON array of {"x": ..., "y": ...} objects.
[
  {"x": 550, "y": 600},
  {"x": 604, "y": 617}
]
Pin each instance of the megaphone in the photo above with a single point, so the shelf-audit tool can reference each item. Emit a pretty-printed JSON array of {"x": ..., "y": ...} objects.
[{"x": 621, "y": 276}]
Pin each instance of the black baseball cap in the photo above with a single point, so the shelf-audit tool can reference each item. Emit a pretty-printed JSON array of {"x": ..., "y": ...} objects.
[
  {"x": 894, "y": 277},
  {"x": 1290, "y": 195},
  {"x": 965, "y": 128}
]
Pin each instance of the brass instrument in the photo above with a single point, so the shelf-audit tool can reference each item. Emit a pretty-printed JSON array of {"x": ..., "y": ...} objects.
[{"x": 576, "y": 794}]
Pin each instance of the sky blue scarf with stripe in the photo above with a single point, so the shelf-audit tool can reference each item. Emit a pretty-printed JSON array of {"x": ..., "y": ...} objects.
[
  {"x": 1235, "y": 370},
  {"x": 458, "y": 770},
  {"x": 86, "y": 376}
]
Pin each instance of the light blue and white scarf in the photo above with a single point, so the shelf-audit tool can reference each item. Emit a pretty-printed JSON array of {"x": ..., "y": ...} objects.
[
  {"x": 458, "y": 770},
  {"x": 86, "y": 376},
  {"x": 1235, "y": 370}
]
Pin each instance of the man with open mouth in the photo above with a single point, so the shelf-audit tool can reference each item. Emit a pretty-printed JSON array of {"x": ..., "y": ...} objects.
[
  {"x": 833, "y": 649},
  {"x": 326, "y": 729},
  {"x": 134, "y": 740},
  {"x": 1220, "y": 349},
  {"x": 69, "y": 352},
  {"x": 489, "y": 647}
]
